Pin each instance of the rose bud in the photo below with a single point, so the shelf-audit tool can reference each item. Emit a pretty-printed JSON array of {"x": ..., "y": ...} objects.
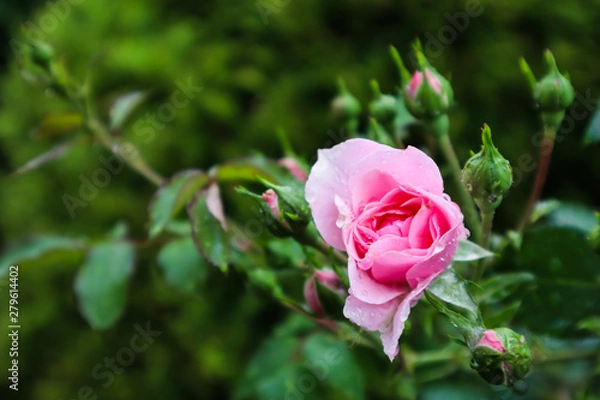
[
  {"x": 501, "y": 357},
  {"x": 330, "y": 281},
  {"x": 427, "y": 94},
  {"x": 42, "y": 54},
  {"x": 295, "y": 168},
  {"x": 345, "y": 107},
  {"x": 383, "y": 107},
  {"x": 294, "y": 209},
  {"x": 270, "y": 211},
  {"x": 553, "y": 93},
  {"x": 487, "y": 175}
]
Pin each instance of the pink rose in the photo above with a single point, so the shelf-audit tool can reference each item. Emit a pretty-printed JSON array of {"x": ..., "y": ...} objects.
[{"x": 387, "y": 208}]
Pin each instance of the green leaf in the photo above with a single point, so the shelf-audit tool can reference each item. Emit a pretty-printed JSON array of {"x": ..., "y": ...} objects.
[
  {"x": 267, "y": 280},
  {"x": 499, "y": 287},
  {"x": 567, "y": 276},
  {"x": 591, "y": 324},
  {"x": 503, "y": 315},
  {"x": 101, "y": 283},
  {"x": 172, "y": 196},
  {"x": 449, "y": 295},
  {"x": 182, "y": 266},
  {"x": 285, "y": 253},
  {"x": 469, "y": 251},
  {"x": 123, "y": 106},
  {"x": 59, "y": 124},
  {"x": 330, "y": 361},
  {"x": 273, "y": 371},
  {"x": 36, "y": 247},
  {"x": 249, "y": 168},
  {"x": 543, "y": 208},
  {"x": 592, "y": 133},
  {"x": 54, "y": 153},
  {"x": 452, "y": 291},
  {"x": 573, "y": 215},
  {"x": 209, "y": 235}
]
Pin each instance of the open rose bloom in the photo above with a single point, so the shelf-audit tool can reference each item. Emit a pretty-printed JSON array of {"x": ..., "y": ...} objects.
[{"x": 387, "y": 209}]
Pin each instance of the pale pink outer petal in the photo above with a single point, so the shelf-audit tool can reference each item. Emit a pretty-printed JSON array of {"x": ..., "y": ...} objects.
[
  {"x": 329, "y": 178},
  {"x": 372, "y": 317},
  {"x": 409, "y": 167},
  {"x": 387, "y": 318},
  {"x": 215, "y": 205},
  {"x": 391, "y": 336},
  {"x": 365, "y": 288}
]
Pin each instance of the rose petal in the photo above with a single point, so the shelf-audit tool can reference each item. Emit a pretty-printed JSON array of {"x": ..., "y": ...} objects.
[
  {"x": 388, "y": 318},
  {"x": 372, "y": 317},
  {"x": 328, "y": 178},
  {"x": 409, "y": 167},
  {"x": 215, "y": 205},
  {"x": 365, "y": 288},
  {"x": 419, "y": 236},
  {"x": 371, "y": 187},
  {"x": 391, "y": 335},
  {"x": 393, "y": 266},
  {"x": 439, "y": 259}
]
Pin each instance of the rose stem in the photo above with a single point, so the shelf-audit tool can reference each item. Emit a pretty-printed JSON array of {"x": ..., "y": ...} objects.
[
  {"x": 310, "y": 237},
  {"x": 136, "y": 162},
  {"x": 540, "y": 176},
  {"x": 487, "y": 219},
  {"x": 83, "y": 101},
  {"x": 465, "y": 200}
]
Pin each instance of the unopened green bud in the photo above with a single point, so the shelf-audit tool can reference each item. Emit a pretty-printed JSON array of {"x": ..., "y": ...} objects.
[
  {"x": 487, "y": 175},
  {"x": 42, "y": 54},
  {"x": 345, "y": 107},
  {"x": 553, "y": 93},
  {"x": 501, "y": 357},
  {"x": 383, "y": 107}
]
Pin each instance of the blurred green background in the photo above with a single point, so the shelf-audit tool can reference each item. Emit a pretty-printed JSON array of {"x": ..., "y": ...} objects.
[{"x": 262, "y": 66}]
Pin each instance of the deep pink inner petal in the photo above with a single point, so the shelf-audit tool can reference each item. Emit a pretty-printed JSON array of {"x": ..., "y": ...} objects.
[{"x": 396, "y": 231}]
